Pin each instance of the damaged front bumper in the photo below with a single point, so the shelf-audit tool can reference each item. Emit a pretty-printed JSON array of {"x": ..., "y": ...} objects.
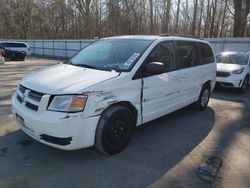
[{"x": 57, "y": 129}]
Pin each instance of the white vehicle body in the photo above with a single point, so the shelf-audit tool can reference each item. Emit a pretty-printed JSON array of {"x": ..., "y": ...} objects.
[
  {"x": 226, "y": 75},
  {"x": 16, "y": 46},
  {"x": 149, "y": 97},
  {"x": 2, "y": 53},
  {"x": 2, "y": 60}
]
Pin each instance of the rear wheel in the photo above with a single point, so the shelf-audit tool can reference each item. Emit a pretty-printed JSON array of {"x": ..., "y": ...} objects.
[
  {"x": 20, "y": 57},
  {"x": 204, "y": 97},
  {"x": 114, "y": 129}
]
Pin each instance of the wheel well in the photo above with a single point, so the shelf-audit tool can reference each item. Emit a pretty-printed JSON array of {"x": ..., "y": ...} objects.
[
  {"x": 129, "y": 106},
  {"x": 247, "y": 76},
  {"x": 209, "y": 82}
]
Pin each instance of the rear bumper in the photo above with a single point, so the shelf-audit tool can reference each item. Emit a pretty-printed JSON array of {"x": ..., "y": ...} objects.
[
  {"x": 2, "y": 60},
  {"x": 60, "y": 130}
]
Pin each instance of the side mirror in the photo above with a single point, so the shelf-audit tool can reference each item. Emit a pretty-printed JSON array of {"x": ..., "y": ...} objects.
[{"x": 153, "y": 68}]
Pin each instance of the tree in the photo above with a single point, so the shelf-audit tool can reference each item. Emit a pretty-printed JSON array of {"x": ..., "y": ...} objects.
[{"x": 241, "y": 11}]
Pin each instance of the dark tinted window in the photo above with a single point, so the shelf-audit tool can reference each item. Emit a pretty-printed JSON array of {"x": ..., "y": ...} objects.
[
  {"x": 16, "y": 45},
  {"x": 187, "y": 54},
  {"x": 163, "y": 53},
  {"x": 9, "y": 45},
  {"x": 3, "y": 45},
  {"x": 206, "y": 54}
]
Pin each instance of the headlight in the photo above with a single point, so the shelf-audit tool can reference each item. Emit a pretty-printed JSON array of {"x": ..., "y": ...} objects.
[
  {"x": 68, "y": 103},
  {"x": 239, "y": 71}
]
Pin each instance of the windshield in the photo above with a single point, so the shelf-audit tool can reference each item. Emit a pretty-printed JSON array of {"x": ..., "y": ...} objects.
[
  {"x": 240, "y": 59},
  {"x": 111, "y": 54}
]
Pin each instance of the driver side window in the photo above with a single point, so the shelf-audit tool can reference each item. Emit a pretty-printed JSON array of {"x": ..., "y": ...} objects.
[{"x": 163, "y": 53}]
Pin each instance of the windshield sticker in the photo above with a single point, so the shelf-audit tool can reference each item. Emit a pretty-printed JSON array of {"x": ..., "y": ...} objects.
[{"x": 131, "y": 59}]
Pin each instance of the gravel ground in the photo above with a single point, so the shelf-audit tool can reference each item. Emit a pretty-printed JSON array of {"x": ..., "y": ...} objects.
[{"x": 163, "y": 153}]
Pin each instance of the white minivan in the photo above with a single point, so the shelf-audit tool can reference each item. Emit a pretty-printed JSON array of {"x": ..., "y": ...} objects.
[{"x": 97, "y": 97}]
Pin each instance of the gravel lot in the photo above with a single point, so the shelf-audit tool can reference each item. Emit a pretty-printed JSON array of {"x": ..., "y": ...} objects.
[{"x": 163, "y": 153}]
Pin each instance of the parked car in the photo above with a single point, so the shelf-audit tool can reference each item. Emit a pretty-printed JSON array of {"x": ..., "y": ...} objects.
[
  {"x": 11, "y": 55},
  {"x": 98, "y": 96},
  {"x": 16, "y": 46},
  {"x": 233, "y": 70},
  {"x": 2, "y": 53}
]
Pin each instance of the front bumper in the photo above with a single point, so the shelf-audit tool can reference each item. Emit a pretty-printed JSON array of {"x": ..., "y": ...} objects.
[
  {"x": 233, "y": 81},
  {"x": 67, "y": 131}
]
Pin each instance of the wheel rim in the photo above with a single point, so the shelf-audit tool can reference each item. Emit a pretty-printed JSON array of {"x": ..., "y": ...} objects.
[
  {"x": 205, "y": 98},
  {"x": 117, "y": 131}
]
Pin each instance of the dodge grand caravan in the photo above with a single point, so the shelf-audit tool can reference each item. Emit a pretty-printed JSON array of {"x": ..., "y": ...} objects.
[{"x": 97, "y": 97}]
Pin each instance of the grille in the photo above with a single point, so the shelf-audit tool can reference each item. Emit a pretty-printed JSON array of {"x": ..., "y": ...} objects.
[
  {"x": 36, "y": 96},
  {"x": 222, "y": 74},
  {"x": 56, "y": 140},
  {"x": 29, "y": 98},
  {"x": 22, "y": 89},
  {"x": 225, "y": 84},
  {"x": 31, "y": 106},
  {"x": 19, "y": 98}
]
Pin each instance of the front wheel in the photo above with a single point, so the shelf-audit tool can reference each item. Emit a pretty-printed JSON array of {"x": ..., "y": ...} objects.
[
  {"x": 244, "y": 85},
  {"x": 204, "y": 97},
  {"x": 114, "y": 129}
]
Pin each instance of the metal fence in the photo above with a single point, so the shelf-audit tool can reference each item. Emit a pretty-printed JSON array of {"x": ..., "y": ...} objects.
[{"x": 67, "y": 48}]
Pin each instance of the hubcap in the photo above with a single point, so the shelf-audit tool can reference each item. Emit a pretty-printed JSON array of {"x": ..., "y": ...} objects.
[
  {"x": 205, "y": 97},
  {"x": 117, "y": 131}
]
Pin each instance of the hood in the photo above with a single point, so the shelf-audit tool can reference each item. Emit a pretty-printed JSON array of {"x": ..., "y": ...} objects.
[
  {"x": 65, "y": 79},
  {"x": 228, "y": 67}
]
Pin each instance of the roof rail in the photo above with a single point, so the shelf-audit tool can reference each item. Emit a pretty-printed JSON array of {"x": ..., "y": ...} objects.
[{"x": 178, "y": 35}]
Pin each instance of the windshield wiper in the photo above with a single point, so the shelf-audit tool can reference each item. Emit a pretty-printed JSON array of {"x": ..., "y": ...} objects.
[
  {"x": 67, "y": 62},
  {"x": 88, "y": 66}
]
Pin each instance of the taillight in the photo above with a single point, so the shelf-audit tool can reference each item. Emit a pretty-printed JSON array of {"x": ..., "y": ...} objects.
[
  {"x": 2, "y": 52},
  {"x": 28, "y": 49}
]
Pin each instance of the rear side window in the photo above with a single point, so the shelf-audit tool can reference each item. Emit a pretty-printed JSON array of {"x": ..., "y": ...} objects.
[
  {"x": 206, "y": 54},
  {"x": 187, "y": 54},
  {"x": 3, "y": 45},
  {"x": 163, "y": 53},
  {"x": 15, "y": 45}
]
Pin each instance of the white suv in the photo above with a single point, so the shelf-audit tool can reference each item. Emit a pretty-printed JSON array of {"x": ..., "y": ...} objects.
[
  {"x": 98, "y": 96},
  {"x": 233, "y": 70},
  {"x": 17, "y": 46}
]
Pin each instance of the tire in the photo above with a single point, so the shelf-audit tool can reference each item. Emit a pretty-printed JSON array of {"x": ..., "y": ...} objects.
[
  {"x": 114, "y": 130},
  {"x": 20, "y": 57},
  {"x": 204, "y": 97},
  {"x": 244, "y": 85}
]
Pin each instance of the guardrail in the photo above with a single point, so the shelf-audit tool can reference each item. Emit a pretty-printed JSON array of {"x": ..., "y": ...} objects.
[{"x": 67, "y": 48}]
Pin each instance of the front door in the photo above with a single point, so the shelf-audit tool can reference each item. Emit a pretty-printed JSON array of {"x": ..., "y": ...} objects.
[{"x": 161, "y": 93}]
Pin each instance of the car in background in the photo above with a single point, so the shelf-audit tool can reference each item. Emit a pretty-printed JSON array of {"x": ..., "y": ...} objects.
[
  {"x": 233, "y": 70},
  {"x": 2, "y": 53},
  {"x": 11, "y": 55},
  {"x": 16, "y": 46}
]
